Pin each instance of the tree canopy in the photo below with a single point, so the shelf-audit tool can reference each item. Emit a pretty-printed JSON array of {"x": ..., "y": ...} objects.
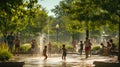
[
  {"x": 21, "y": 15},
  {"x": 95, "y": 13}
]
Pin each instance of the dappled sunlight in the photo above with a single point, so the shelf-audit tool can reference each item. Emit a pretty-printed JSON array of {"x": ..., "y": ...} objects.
[
  {"x": 78, "y": 34},
  {"x": 38, "y": 61}
]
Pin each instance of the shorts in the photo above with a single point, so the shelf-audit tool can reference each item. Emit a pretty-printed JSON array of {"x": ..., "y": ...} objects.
[
  {"x": 87, "y": 48},
  {"x": 64, "y": 54}
]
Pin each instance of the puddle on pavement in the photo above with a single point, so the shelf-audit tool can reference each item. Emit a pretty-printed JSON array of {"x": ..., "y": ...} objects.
[{"x": 56, "y": 62}]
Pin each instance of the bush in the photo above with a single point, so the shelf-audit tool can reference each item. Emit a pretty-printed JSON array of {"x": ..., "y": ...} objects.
[
  {"x": 3, "y": 46},
  {"x": 5, "y": 55},
  {"x": 25, "y": 47},
  {"x": 69, "y": 47},
  {"x": 116, "y": 42},
  {"x": 95, "y": 48}
]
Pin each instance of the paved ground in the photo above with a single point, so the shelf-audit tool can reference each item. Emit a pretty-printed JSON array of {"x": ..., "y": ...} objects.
[{"x": 73, "y": 60}]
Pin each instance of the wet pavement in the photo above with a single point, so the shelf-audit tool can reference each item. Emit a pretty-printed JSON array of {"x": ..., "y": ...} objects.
[{"x": 73, "y": 60}]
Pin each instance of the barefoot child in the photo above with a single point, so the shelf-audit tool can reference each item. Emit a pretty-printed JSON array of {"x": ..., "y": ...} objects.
[
  {"x": 44, "y": 52},
  {"x": 64, "y": 52}
]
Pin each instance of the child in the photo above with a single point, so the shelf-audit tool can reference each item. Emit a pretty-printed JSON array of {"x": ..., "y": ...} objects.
[
  {"x": 64, "y": 52},
  {"x": 81, "y": 47},
  {"x": 44, "y": 52}
]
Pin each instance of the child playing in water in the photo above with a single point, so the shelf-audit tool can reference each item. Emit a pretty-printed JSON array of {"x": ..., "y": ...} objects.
[
  {"x": 44, "y": 52},
  {"x": 64, "y": 52}
]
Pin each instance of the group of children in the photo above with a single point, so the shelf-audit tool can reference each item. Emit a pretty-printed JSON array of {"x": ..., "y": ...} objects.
[
  {"x": 107, "y": 50},
  {"x": 87, "y": 44},
  {"x": 64, "y": 52}
]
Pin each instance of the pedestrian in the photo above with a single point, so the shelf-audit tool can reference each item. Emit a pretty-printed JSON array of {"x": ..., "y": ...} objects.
[
  {"x": 81, "y": 47},
  {"x": 112, "y": 45},
  {"x": 45, "y": 52},
  {"x": 90, "y": 44},
  {"x": 17, "y": 44},
  {"x": 108, "y": 48},
  {"x": 102, "y": 50},
  {"x": 33, "y": 46},
  {"x": 74, "y": 45},
  {"x": 87, "y": 47},
  {"x": 64, "y": 52},
  {"x": 108, "y": 44},
  {"x": 10, "y": 39}
]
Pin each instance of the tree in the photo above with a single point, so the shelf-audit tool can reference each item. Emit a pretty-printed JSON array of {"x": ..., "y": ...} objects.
[
  {"x": 7, "y": 14},
  {"x": 95, "y": 13},
  {"x": 37, "y": 22},
  {"x": 18, "y": 15},
  {"x": 76, "y": 10}
]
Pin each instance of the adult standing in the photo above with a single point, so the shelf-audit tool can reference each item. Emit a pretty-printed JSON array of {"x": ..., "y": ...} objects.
[
  {"x": 102, "y": 50},
  {"x": 74, "y": 43},
  {"x": 90, "y": 44},
  {"x": 87, "y": 47},
  {"x": 108, "y": 48},
  {"x": 17, "y": 44},
  {"x": 10, "y": 39},
  {"x": 33, "y": 46},
  {"x": 112, "y": 44}
]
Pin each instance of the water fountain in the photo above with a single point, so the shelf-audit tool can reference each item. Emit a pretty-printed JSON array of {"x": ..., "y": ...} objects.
[{"x": 42, "y": 43}]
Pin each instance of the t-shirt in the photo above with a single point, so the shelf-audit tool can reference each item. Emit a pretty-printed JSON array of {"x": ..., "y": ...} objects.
[{"x": 10, "y": 39}]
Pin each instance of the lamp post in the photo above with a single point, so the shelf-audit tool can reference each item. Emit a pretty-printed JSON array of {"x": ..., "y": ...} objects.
[
  {"x": 119, "y": 45},
  {"x": 57, "y": 27},
  {"x": 48, "y": 31},
  {"x": 87, "y": 33}
]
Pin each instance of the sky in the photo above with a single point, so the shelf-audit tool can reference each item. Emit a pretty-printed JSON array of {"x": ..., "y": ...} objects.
[{"x": 49, "y": 4}]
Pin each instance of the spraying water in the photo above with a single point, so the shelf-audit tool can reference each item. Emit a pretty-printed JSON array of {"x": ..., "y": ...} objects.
[{"x": 42, "y": 42}]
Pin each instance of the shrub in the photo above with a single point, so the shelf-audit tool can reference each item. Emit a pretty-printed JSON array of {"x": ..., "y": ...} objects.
[
  {"x": 25, "y": 47},
  {"x": 95, "y": 48},
  {"x": 3, "y": 46},
  {"x": 116, "y": 42},
  {"x": 69, "y": 47},
  {"x": 5, "y": 55}
]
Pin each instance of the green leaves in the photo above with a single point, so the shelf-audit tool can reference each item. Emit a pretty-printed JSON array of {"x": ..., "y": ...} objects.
[
  {"x": 94, "y": 13},
  {"x": 20, "y": 15}
]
